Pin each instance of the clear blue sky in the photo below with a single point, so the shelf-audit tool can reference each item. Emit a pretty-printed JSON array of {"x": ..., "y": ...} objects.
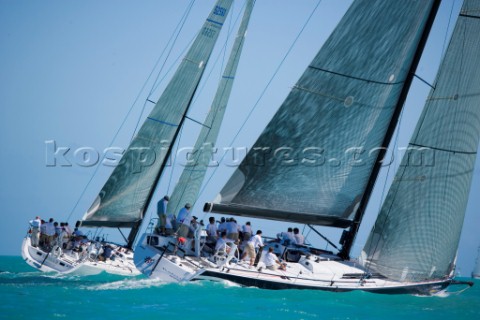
[{"x": 71, "y": 70}]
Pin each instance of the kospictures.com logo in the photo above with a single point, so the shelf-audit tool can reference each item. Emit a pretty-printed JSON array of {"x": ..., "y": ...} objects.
[{"x": 139, "y": 157}]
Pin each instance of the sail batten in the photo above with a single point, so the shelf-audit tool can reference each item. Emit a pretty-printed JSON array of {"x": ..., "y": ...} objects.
[
  {"x": 416, "y": 234},
  {"x": 316, "y": 155},
  {"x": 355, "y": 77},
  {"x": 125, "y": 195}
]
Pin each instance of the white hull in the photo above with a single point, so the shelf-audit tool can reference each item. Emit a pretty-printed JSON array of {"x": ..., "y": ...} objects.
[
  {"x": 62, "y": 262},
  {"x": 312, "y": 272},
  {"x": 47, "y": 262},
  {"x": 124, "y": 267},
  {"x": 152, "y": 262}
]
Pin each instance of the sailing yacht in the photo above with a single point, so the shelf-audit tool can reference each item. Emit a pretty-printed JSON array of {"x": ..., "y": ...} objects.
[
  {"x": 84, "y": 261},
  {"x": 346, "y": 105}
]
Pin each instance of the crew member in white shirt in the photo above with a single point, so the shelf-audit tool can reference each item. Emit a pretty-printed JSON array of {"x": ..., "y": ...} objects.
[
  {"x": 299, "y": 238},
  {"x": 287, "y": 238},
  {"x": 232, "y": 229},
  {"x": 35, "y": 224},
  {"x": 50, "y": 231},
  {"x": 212, "y": 230},
  {"x": 183, "y": 219},
  {"x": 247, "y": 231},
  {"x": 221, "y": 244},
  {"x": 271, "y": 261},
  {"x": 253, "y": 243}
]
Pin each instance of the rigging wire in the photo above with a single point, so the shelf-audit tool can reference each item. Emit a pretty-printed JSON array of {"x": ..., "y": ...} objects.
[
  {"x": 123, "y": 123},
  {"x": 385, "y": 183},
  {"x": 223, "y": 54},
  {"x": 263, "y": 92},
  {"x": 448, "y": 28},
  {"x": 199, "y": 92},
  {"x": 159, "y": 81},
  {"x": 202, "y": 87},
  {"x": 172, "y": 40},
  {"x": 220, "y": 54},
  {"x": 174, "y": 159},
  {"x": 392, "y": 157},
  {"x": 369, "y": 262}
]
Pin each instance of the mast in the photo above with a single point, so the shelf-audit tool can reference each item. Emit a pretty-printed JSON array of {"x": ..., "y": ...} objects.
[
  {"x": 349, "y": 236},
  {"x": 301, "y": 168},
  {"x": 123, "y": 200},
  {"x": 134, "y": 231}
]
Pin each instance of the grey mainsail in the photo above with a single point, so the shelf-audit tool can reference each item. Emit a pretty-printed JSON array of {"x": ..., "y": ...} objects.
[
  {"x": 125, "y": 195},
  {"x": 313, "y": 161},
  {"x": 416, "y": 234},
  {"x": 188, "y": 186}
]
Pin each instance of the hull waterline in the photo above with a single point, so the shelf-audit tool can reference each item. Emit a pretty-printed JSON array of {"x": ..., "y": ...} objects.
[
  {"x": 57, "y": 261},
  {"x": 311, "y": 272}
]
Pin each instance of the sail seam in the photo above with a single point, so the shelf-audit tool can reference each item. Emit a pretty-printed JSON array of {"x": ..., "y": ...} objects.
[
  {"x": 200, "y": 64},
  {"x": 455, "y": 97},
  {"x": 194, "y": 170},
  {"x": 442, "y": 149},
  {"x": 319, "y": 93},
  {"x": 355, "y": 78},
  {"x": 163, "y": 122},
  {"x": 343, "y": 100},
  {"x": 421, "y": 178}
]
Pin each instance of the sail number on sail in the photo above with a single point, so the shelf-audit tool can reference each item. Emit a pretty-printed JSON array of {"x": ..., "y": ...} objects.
[{"x": 219, "y": 11}]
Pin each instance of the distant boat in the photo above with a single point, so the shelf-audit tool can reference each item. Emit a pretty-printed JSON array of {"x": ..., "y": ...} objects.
[
  {"x": 476, "y": 271},
  {"x": 350, "y": 99}
]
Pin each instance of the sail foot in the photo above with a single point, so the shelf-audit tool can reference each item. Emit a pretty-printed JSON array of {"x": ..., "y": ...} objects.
[
  {"x": 109, "y": 224},
  {"x": 271, "y": 214}
]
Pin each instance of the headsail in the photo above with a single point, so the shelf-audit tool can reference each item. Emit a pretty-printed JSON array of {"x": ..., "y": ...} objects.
[
  {"x": 313, "y": 161},
  {"x": 188, "y": 187},
  {"x": 417, "y": 232},
  {"x": 122, "y": 200}
]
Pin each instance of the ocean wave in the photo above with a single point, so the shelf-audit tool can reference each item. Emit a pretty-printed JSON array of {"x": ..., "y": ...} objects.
[{"x": 127, "y": 284}]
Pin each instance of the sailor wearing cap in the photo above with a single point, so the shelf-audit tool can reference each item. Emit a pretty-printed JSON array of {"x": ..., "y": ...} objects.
[
  {"x": 162, "y": 213},
  {"x": 193, "y": 227},
  {"x": 183, "y": 219}
]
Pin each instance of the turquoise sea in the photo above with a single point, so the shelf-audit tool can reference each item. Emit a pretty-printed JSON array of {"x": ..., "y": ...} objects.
[{"x": 28, "y": 294}]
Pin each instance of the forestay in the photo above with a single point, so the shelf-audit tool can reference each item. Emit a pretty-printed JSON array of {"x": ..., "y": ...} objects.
[
  {"x": 312, "y": 162},
  {"x": 417, "y": 232}
]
